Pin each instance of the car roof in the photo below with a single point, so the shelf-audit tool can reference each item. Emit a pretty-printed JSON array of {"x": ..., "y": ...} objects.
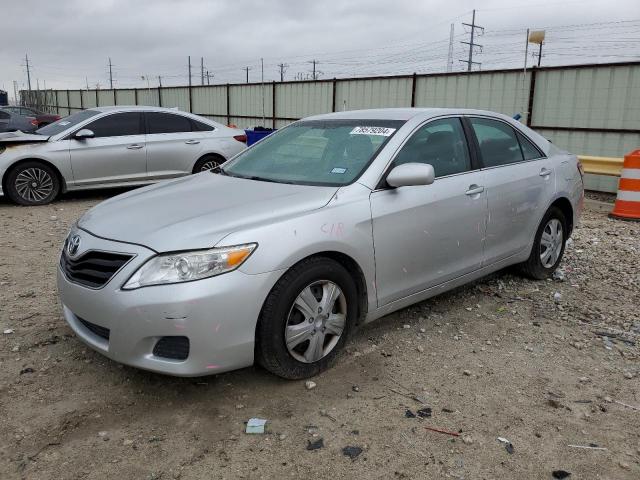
[
  {"x": 132, "y": 108},
  {"x": 399, "y": 113}
]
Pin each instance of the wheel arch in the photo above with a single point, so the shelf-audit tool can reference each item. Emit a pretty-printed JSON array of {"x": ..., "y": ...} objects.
[
  {"x": 566, "y": 208},
  {"x": 355, "y": 271},
  {"x": 56, "y": 170}
]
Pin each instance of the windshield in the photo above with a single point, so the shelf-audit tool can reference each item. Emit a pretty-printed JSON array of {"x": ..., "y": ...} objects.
[
  {"x": 66, "y": 123},
  {"x": 315, "y": 152}
]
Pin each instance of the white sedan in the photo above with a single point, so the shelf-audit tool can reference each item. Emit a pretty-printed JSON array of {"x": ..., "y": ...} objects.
[{"x": 111, "y": 147}]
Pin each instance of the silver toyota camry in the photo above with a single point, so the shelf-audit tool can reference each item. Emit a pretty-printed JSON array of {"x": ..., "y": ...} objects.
[
  {"x": 111, "y": 147},
  {"x": 334, "y": 221}
]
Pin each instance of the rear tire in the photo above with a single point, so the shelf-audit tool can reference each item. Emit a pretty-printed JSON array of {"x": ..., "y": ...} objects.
[
  {"x": 294, "y": 342},
  {"x": 208, "y": 162},
  {"x": 32, "y": 183},
  {"x": 548, "y": 246}
]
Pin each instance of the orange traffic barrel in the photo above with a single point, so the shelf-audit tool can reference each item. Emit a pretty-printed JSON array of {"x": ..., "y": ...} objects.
[{"x": 627, "y": 205}]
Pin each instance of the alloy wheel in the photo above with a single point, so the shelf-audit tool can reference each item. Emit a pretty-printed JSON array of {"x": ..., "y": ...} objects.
[
  {"x": 551, "y": 243},
  {"x": 316, "y": 321},
  {"x": 209, "y": 165},
  {"x": 34, "y": 184}
]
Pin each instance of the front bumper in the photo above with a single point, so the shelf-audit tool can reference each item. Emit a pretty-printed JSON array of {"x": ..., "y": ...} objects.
[{"x": 218, "y": 315}]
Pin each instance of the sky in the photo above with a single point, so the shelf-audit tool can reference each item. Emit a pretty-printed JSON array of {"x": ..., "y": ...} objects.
[{"x": 69, "y": 42}]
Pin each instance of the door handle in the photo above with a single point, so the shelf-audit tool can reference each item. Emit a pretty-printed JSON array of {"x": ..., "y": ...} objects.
[
  {"x": 474, "y": 190},
  {"x": 545, "y": 172},
  {"x": 192, "y": 142},
  {"x": 135, "y": 146}
]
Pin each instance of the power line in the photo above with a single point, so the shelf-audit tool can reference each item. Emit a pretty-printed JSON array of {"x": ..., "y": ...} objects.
[{"x": 283, "y": 69}]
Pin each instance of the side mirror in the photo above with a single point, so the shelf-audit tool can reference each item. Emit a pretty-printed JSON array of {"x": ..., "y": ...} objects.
[
  {"x": 411, "y": 174},
  {"x": 84, "y": 133}
]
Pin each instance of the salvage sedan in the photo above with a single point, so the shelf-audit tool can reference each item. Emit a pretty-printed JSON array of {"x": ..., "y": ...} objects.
[
  {"x": 111, "y": 147},
  {"x": 334, "y": 221}
]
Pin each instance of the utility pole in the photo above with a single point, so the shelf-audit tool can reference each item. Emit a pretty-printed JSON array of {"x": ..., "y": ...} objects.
[
  {"x": 110, "y": 75},
  {"x": 208, "y": 77},
  {"x": 314, "y": 76},
  {"x": 201, "y": 70},
  {"x": 15, "y": 92},
  {"x": 26, "y": 59},
  {"x": 262, "y": 86},
  {"x": 473, "y": 26},
  {"x": 539, "y": 53},
  {"x": 450, "y": 55},
  {"x": 189, "y": 60},
  {"x": 87, "y": 82},
  {"x": 283, "y": 68},
  {"x": 159, "y": 81},
  {"x": 246, "y": 69}
]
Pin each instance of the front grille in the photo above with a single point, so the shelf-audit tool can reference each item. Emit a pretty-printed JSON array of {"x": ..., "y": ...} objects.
[
  {"x": 93, "y": 269},
  {"x": 176, "y": 348},
  {"x": 95, "y": 329}
]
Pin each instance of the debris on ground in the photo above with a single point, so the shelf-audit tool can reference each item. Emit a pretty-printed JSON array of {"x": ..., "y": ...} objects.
[
  {"x": 352, "y": 452},
  {"x": 315, "y": 445},
  {"x": 8, "y": 331},
  {"x": 255, "y": 425},
  {"x": 467, "y": 439},
  {"x": 439, "y": 430},
  {"x": 508, "y": 446},
  {"x": 409, "y": 414},
  {"x": 424, "y": 412},
  {"x": 560, "y": 474},
  {"x": 593, "y": 446},
  {"x": 309, "y": 385},
  {"x": 26, "y": 370}
]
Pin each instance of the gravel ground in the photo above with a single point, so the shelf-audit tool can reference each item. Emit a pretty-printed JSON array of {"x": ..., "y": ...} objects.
[{"x": 544, "y": 365}]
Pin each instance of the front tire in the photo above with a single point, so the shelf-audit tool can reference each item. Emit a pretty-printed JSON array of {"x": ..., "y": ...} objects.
[
  {"x": 32, "y": 183},
  {"x": 548, "y": 246},
  {"x": 306, "y": 319}
]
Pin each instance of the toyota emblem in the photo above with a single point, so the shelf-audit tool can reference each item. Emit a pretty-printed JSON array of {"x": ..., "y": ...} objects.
[{"x": 73, "y": 244}]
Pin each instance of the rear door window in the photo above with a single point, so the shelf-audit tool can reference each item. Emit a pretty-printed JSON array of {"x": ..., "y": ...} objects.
[
  {"x": 498, "y": 142},
  {"x": 117, "y": 125},
  {"x": 158, "y": 122},
  {"x": 200, "y": 127},
  {"x": 440, "y": 143},
  {"x": 529, "y": 150}
]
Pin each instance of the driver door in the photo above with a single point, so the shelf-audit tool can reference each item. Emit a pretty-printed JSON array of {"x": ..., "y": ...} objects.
[
  {"x": 430, "y": 234},
  {"x": 116, "y": 154}
]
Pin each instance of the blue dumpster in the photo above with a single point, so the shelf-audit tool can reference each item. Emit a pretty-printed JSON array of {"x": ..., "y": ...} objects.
[{"x": 257, "y": 134}]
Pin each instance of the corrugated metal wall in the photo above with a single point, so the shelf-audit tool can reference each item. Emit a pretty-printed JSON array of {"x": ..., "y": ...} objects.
[
  {"x": 504, "y": 92},
  {"x": 592, "y": 110}
]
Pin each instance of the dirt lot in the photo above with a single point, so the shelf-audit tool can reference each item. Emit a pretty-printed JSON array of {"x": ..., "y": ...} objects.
[{"x": 542, "y": 364}]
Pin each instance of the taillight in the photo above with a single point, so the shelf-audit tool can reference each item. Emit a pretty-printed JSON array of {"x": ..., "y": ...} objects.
[
  {"x": 240, "y": 138},
  {"x": 56, "y": 117},
  {"x": 34, "y": 122}
]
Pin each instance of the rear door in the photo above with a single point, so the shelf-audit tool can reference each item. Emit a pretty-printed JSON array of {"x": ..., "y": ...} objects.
[
  {"x": 427, "y": 235},
  {"x": 520, "y": 181},
  {"x": 115, "y": 154},
  {"x": 172, "y": 144}
]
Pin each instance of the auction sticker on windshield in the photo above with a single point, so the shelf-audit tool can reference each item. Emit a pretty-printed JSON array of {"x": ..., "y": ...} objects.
[{"x": 382, "y": 131}]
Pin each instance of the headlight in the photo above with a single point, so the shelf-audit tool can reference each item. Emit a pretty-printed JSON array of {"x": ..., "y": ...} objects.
[{"x": 188, "y": 266}]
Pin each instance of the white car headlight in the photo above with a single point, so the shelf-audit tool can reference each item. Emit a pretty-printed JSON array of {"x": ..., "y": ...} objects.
[{"x": 188, "y": 266}]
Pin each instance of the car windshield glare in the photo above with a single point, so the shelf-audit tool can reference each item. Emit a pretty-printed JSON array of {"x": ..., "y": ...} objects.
[
  {"x": 66, "y": 123},
  {"x": 315, "y": 152}
]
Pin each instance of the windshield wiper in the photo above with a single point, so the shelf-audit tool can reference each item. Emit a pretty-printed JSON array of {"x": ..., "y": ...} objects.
[
  {"x": 262, "y": 179},
  {"x": 219, "y": 170}
]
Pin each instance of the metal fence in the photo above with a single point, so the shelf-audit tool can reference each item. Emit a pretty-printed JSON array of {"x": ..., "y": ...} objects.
[{"x": 587, "y": 109}]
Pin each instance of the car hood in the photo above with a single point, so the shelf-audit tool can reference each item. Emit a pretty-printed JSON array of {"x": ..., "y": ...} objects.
[
  {"x": 198, "y": 211},
  {"x": 15, "y": 138}
]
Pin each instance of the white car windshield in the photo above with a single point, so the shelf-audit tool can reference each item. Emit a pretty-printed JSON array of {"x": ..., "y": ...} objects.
[
  {"x": 66, "y": 123},
  {"x": 315, "y": 152}
]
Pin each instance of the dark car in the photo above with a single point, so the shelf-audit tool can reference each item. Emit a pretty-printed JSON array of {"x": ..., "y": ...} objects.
[
  {"x": 11, "y": 122},
  {"x": 41, "y": 117}
]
